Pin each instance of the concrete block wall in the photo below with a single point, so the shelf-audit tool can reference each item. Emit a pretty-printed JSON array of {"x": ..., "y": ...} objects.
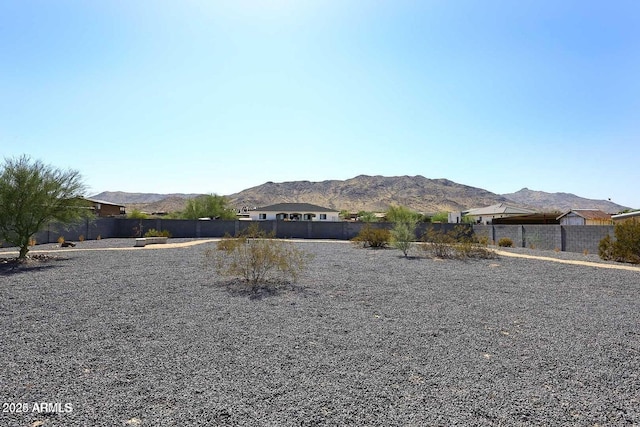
[
  {"x": 568, "y": 238},
  {"x": 543, "y": 237},
  {"x": 573, "y": 238},
  {"x": 584, "y": 238}
]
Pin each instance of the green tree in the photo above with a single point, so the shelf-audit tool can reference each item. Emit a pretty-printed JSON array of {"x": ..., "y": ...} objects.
[
  {"x": 402, "y": 236},
  {"x": 440, "y": 217},
  {"x": 365, "y": 216},
  {"x": 33, "y": 194},
  {"x": 404, "y": 227},
  {"x": 402, "y": 214},
  {"x": 208, "y": 206},
  {"x": 137, "y": 214}
]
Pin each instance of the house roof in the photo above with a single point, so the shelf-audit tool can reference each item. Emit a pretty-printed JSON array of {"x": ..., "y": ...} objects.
[
  {"x": 499, "y": 209},
  {"x": 294, "y": 207},
  {"x": 626, "y": 215},
  {"x": 588, "y": 214},
  {"x": 103, "y": 202}
]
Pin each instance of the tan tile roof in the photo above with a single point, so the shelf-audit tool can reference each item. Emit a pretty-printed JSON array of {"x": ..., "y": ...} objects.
[{"x": 588, "y": 214}]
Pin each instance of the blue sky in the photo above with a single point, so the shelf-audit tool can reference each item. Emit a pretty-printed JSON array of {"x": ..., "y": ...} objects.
[{"x": 218, "y": 96}]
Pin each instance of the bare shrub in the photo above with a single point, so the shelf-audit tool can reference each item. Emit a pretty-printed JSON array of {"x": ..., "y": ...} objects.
[
  {"x": 505, "y": 242},
  {"x": 458, "y": 243},
  {"x": 372, "y": 237},
  {"x": 261, "y": 261},
  {"x": 626, "y": 245}
]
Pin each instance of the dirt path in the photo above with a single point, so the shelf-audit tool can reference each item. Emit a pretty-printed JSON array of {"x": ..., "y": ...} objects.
[{"x": 565, "y": 261}]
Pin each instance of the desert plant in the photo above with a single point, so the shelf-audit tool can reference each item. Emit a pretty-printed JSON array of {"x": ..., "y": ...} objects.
[
  {"x": 473, "y": 249},
  {"x": 372, "y": 237},
  {"x": 397, "y": 214},
  {"x": 33, "y": 194},
  {"x": 208, "y": 206},
  {"x": 61, "y": 240},
  {"x": 459, "y": 243},
  {"x": 402, "y": 236},
  {"x": 625, "y": 247},
  {"x": 438, "y": 244},
  {"x": 259, "y": 262},
  {"x": 253, "y": 231},
  {"x": 152, "y": 232},
  {"x": 440, "y": 217},
  {"x": 136, "y": 214},
  {"x": 365, "y": 216},
  {"x": 505, "y": 242}
]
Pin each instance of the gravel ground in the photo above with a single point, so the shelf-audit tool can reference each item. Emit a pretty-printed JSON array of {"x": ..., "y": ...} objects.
[{"x": 365, "y": 337}]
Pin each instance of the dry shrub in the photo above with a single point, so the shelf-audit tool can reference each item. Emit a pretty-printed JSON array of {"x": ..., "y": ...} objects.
[
  {"x": 626, "y": 245},
  {"x": 259, "y": 261},
  {"x": 505, "y": 242},
  {"x": 372, "y": 237},
  {"x": 458, "y": 243}
]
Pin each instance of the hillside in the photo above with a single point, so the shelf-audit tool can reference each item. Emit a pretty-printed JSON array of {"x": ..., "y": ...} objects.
[
  {"x": 371, "y": 193},
  {"x": 561, "y": 202},
  {"x": 124, "y": 198}
]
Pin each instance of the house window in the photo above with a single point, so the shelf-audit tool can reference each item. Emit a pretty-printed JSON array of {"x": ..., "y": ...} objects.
[
  {"x": 323, "y": 216},
  {"x": 262, "y": 216}
]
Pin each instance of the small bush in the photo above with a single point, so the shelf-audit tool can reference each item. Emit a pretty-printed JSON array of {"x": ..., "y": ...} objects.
[
  {"x": 473, "y": 250},
  {"x": 438, "y": 244},
  {"x": 227, "y": 243},
  {"x": 373, "y": 237},
  {"x": 81, "y": 238},
  {"x": 259, "y": 262},
  {"x": 505, "y": 242},
  {"x": 458, "y": 243},
  {"x": 152, "y": 232},
  {"x": 60, "y": 240},
  {"x": 625, "y": 247},
  {"x": 402, "y": 236},
  {"x": 253, "y": 231}
]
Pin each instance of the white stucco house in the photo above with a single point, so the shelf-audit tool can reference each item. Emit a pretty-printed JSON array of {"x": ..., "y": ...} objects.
[{"x": 294, "y": 212}]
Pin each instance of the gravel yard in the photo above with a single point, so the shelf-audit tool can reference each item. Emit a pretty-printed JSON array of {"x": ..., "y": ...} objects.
[{"x": 153, "y": 338}]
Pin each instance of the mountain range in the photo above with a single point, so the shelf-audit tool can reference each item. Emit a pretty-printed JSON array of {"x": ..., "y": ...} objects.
[{"x": 371, "y": 193}]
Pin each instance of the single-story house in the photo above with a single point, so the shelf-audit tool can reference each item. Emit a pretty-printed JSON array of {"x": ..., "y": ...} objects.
[
  {"x": 536, "y": 218},
  {"x": 585, "y": 217},
  {"x": 488, "y": 214},
  {"x": 106, "y": 209},
  {"x": 628, "y": 216},
  {"x": 294, "y": 212}
]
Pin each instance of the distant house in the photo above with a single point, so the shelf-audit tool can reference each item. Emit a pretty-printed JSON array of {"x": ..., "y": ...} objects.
[
  {"x": 294, "y": 212},
  {"x": 536, "y": 218},
  {"x": 488, "y": 214},
  {"x": 585, "y": 217},
  {"x": 629, "y": 216},
  {"x": 106, "y": 209}
]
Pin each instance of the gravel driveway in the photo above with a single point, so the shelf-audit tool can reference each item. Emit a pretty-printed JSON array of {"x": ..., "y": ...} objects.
[{"x": 154, "y": 338}]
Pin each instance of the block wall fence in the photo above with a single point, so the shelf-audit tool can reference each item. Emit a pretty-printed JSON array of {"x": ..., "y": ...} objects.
[{"x": 574, "y": 238}]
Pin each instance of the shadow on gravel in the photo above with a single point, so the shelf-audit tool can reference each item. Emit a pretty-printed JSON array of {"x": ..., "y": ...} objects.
[
  {"x": 12, "y": 266},
  {"x": 241, "y": 288}
]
